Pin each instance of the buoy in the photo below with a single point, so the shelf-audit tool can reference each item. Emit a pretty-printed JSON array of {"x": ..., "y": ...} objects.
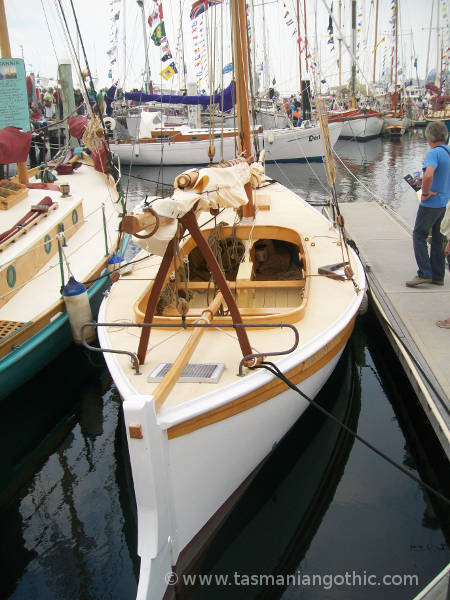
[
  {"x": 119, "y": 264},
  {"x": 78, "y": 309}
]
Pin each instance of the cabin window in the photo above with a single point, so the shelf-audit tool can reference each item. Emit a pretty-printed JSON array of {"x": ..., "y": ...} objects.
[
  {"x": 11, "y": 276},
  {"x": 74, "y": 217},
  {"x": 47, "y": 244}
]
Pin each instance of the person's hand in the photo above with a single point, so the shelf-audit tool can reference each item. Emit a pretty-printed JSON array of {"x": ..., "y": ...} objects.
[
  {"x": 418, "y": 180},
  {"x": 427, "y": 195},
  {"x": 447, "y": 249}
]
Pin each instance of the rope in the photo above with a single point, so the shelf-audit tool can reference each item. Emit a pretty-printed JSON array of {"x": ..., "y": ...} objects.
[{"x": 272, "y": 368}]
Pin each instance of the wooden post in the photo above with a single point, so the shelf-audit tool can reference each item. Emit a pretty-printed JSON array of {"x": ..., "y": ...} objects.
[
  {"x": 68, "y": 98},
  {"x": 5, "y": 46}
]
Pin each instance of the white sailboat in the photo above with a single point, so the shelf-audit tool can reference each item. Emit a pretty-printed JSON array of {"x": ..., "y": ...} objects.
[
  {"x": 274, "y": 279},
  {"x": 186, "y": 146}
]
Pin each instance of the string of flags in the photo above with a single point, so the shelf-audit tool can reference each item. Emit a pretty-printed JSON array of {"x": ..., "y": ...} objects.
[
  {"x": 114, "y": 8},
  {"x": 156, "y": 23},
  {"x": 198, "y": 23}
]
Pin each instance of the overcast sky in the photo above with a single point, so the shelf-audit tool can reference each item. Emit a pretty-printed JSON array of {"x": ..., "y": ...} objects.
[{"x": 42, "y": 44}]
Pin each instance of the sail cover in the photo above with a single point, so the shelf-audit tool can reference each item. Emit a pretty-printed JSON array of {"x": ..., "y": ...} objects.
[
  {"x": 225, "y": 99},
  {"x": 14, "y": 145}
]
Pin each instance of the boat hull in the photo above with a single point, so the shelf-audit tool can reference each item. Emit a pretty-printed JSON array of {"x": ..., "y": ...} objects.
[
  {"x": 180, "y": 489},
  {"x": 285, "y": 145},
  {"x": 362, "y": 129},
  {"x": 20, "y": 365}
]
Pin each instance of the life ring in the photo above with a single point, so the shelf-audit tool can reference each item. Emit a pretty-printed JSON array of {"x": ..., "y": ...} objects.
[{"x": 110, "y": 123}]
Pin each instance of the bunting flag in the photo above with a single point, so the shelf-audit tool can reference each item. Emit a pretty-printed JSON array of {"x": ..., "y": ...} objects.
[
  {"x": 113, "y": 34},
  {"x": 289, "y": 20},
  {"x": 166, "y": 57},
  {"x": 200, "y": 6},
  {"x": 200, "y": 49},
  {"x": 169, "y": 71},
  {"x": 227, "y": 68},
  {"x": 158, "y": 34}
]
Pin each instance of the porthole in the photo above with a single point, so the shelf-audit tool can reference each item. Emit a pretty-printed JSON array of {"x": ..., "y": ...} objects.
[
  {"x": 74, "y": 217},
  {"x": 48, "y": 244},
  {"x": 11, "y": 276}
]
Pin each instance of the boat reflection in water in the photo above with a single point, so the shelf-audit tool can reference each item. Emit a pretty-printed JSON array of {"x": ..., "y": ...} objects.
[{"x": 270, "y": 529}]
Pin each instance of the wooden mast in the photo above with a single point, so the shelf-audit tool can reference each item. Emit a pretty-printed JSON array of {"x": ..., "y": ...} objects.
[
  {"x": 375, "y": 43},
  {"x": 6, "y": 53},
  {"x": 298, "y": 45},
  {"x": 396, "y": 56},
  {"x": 340, "y": 43},
  {"x": 353, "y": 80},
  {"x": 241, "y": 61}
]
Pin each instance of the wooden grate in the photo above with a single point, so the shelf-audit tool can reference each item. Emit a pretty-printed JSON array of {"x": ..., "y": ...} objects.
[{"x": 10, "y": 328}]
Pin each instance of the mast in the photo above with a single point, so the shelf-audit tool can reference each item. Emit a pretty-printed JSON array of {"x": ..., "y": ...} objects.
[
  {"x": 438, "y": 46},
  {"x": 124, "y": 43},
  {"x": 396, "y": 54},
  {"x": 266, "y": 57},
  {"x": 375, "y": 43},
  {"x": 5, "y": 47},
  {"x": 429, "y": 40},
  {"x": 144, "y": 31},
  {"x": 340, "y": 43},
  {"x": 353, "y": 80},
  {"x": 298, "y": 44},
  {"x": 241, "y": 68},
  {"x": 306, "y": 36}
]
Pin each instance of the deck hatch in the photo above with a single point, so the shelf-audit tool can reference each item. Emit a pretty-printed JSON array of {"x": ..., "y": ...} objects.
[{"x": 193, "y": 373}]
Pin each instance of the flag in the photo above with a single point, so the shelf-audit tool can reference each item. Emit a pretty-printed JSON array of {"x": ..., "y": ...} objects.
[
  {"x": 200, "y": 6},
  {"x": 169, "y": 71},
  {"x": 227, "y": 68},
  {"x": 166, "y": 57},
  {"x": 158, "y": 34}
]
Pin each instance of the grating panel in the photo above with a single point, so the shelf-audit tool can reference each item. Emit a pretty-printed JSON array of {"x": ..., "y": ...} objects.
[
  {"x": 10, "y": 328},
  {"x": 193, "y": 373}
]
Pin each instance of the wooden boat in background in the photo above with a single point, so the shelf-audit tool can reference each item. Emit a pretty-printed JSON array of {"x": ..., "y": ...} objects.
[
  {"x": 274, "y": 279},
  {"x": 49, "y": 231},
  {"x": 358, "y": 125}
]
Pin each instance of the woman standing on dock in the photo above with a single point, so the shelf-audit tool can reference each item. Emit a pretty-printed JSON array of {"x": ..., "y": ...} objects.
[{"x": 435, "y": 195}]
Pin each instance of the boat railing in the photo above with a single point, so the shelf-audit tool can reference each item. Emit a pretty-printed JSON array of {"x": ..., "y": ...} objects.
[{"x": 248, "y": 359}]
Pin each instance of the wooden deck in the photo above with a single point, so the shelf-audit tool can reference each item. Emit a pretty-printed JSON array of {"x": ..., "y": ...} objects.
[{"x": 385, "y": 245}]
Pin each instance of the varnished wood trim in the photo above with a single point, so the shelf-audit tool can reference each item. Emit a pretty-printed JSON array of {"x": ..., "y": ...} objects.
[{"x": 274, "y": 388}]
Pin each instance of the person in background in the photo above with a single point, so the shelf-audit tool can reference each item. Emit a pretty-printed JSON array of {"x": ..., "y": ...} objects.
[
  {"x": 79, "y": 101},
  {"x": 435, "y": 195},
  {"x": 445, "y": 230}
]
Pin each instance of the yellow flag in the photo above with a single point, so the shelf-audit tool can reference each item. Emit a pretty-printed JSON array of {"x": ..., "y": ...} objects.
[
  {"x": 382, "y": 40},
  {"x": 167, "y": 72}
]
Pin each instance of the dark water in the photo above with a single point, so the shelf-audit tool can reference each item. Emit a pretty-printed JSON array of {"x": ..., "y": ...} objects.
[{"x": 325, "y": 516}]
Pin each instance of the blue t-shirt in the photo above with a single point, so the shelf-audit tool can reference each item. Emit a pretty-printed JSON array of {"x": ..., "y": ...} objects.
[{"x": 439, "y": 158}]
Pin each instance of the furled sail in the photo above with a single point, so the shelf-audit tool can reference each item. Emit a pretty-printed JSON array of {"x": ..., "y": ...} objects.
[{"x": 225, "y": 99}]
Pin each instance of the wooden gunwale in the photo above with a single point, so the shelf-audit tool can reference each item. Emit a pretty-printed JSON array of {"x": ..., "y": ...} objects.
[{"x": 275, "y": 387}]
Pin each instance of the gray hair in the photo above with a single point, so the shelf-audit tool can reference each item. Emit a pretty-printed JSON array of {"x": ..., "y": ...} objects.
[{"x": 436, "y": 131}]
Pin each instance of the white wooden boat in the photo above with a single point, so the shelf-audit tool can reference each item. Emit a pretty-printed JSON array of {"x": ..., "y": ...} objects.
[
  {"x": 34, "y": 323},
  {"x": 185, "y": 146},
  {"x": 357, "y": 125},
  {"x": 194, "y": 445},
  {"x": 274, "y": 279}
]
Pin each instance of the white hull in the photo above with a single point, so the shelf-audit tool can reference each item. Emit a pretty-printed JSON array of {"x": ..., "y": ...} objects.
[
  {"x": 362, "y": 128},
  {"x": 206, "y": 440},
  {"x": 296, "y": 144}
]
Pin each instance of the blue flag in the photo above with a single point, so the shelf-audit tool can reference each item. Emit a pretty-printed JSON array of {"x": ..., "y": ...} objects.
[{"x": 227, "y": 68}]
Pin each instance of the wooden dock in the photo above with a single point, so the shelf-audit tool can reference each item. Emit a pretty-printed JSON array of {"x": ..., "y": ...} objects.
[{"x": 408, "y": 315}]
